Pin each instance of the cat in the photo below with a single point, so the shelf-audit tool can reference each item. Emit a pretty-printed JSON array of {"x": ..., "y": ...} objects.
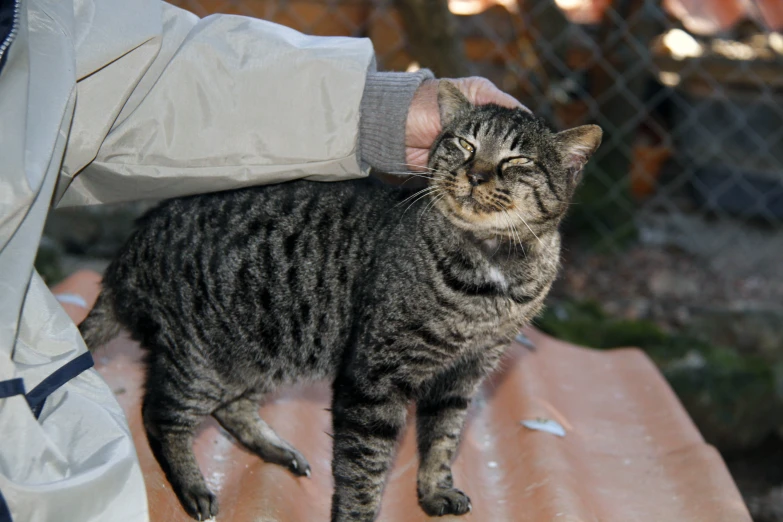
[{"x": 392, "y": 297}]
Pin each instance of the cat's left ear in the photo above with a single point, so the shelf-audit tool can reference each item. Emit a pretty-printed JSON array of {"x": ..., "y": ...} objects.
[{"x": 577, "y": 145}]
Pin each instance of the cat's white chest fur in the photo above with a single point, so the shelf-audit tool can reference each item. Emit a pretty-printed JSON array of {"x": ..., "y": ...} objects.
[
  {"x": 496, "y": 276},
  {"x": 492, "y": 272}
]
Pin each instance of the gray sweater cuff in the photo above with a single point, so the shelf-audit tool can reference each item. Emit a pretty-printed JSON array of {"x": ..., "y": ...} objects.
[{"x": 384, "y": 112}]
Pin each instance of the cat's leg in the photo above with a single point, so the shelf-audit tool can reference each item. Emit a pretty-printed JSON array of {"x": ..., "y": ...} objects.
[
  {"x": 439, "y": 427},
  {"x": 172, "y": 411},
  {"x": 440, "y": 418},
  {"x": 241, "y": 419},
  {"x": 366, "y": 427}
]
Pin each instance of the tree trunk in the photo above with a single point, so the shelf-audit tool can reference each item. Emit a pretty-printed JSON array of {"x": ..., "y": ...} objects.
[{"x": 431, "y": 30}]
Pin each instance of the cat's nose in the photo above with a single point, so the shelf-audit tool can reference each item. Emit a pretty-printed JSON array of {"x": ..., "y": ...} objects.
[{"x": 477, "y": 177}]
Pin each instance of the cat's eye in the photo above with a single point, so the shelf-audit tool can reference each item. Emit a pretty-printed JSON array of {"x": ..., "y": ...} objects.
[
  {"x": 466, "y": 145},
  {"x": 520, "y": 161}
]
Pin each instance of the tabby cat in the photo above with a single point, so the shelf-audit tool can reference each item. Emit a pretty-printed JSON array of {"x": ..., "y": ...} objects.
[{"x": 237, "y": 293}]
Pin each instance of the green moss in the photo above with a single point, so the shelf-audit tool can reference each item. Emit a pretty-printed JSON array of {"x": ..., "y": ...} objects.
[{"x": 585, "y": 323}]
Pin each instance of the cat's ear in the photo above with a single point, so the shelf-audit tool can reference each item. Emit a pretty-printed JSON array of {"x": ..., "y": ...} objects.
[
  {"x": 451, "y": 101},
  {"x": 576, "y": 146}
]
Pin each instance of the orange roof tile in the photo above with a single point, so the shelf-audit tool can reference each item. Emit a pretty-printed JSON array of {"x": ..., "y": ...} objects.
[{"x": 630, "y": 452}]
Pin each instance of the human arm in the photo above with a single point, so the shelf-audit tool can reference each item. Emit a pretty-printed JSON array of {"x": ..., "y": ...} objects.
[{"x": 196, "y": 105}]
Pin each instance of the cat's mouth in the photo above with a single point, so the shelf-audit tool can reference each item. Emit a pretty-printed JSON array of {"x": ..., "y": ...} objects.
[
  {"x": 473, "y": 209},
  {"x": 471, "y": 202}
]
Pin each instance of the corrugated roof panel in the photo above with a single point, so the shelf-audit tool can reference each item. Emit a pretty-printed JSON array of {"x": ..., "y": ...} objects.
[{"x": 630, "y": 452}]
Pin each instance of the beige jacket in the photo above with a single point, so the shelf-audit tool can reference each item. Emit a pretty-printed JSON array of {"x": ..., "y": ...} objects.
[{"x": 111, "y": 100}]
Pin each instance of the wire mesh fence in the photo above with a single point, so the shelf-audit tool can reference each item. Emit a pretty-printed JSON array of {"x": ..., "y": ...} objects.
[{"x": 689, "y": 95}]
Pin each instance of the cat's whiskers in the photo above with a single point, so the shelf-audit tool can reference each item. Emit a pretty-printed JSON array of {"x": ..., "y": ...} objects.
[
  {"x": 444, "y": 173},
  {"x": 416, "y": 174},
  {"x": 422, "y": 194},
  {"x": 516, "y": 238},
  {"x": 508, "y": 227},
  {"x": 433, "y": 178},
  {"x": 424, "y": 190},
  {"x": 437, "y": 197},
  {"x": 410, "y": 175},
  {"x": 418, "y": 166},
  {"x": 518, "y": 235},
  {"x": 528, "y": 227}
]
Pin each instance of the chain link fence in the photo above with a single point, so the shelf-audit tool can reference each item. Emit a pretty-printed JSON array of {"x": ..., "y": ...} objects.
[
  {"x": 683, "y": 203},
  {"x": 689, "y": 95}
]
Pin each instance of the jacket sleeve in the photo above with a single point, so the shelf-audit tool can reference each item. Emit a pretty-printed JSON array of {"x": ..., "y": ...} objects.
[{"x": 196, "y": 105}]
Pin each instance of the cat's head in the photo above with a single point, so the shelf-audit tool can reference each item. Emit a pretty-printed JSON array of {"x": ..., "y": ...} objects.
[{"x": 503, "y": 171}]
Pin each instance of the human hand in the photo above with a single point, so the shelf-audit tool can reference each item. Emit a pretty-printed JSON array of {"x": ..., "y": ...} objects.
[{"x": 423, "y": 124}]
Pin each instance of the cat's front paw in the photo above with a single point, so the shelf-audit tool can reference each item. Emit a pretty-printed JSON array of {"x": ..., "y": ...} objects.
[
  {"x": 297, "y": 464},
  {"x": 199, "y": 502},
  {"x": 445, "y": 502}
]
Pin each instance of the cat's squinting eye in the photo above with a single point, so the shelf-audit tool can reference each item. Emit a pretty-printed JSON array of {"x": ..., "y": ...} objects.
[
  {"x": 520, "y": 161},
  {"x": 466, "y": 145}
]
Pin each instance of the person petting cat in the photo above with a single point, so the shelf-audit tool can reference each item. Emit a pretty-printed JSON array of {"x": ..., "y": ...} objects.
[
  {"x": 107, "y": 101},
  {"x": 392, "y": 297}
]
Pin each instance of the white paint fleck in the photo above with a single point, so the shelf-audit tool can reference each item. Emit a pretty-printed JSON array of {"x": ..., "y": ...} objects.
[
  {"x": 73, "y": 299},
  {"x": 546, "y": 425},
  {"x": 215, "y": 480}
]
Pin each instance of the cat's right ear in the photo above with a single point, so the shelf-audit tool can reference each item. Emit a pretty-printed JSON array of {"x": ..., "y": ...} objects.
[
  {"x": 576, "y": 146},
  {"x": 451, "y": 102}
]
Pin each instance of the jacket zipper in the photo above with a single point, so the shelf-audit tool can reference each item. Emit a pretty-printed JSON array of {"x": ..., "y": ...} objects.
[{"x": 12, "y": 33}]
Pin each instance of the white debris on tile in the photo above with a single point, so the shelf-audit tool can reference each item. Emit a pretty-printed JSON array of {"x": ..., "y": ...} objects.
[
  {"x": 546, "y": 425},
  {"x": 73, "y": 299},
  {"x": 215, "y": 480},
  {"x": 524, "y": 340}
]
